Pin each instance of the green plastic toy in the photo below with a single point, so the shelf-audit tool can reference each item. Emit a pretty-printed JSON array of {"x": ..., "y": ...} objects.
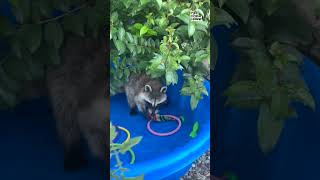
[{"x": 194, "y": 131}]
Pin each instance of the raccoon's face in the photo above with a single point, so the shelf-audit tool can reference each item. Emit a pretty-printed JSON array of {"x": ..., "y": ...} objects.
[{"x": 154, "y": 97}]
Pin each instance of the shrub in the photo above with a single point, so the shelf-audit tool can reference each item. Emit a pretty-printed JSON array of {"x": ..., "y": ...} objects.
[
  {"x": 158, "y": 38},
  {"x": 269, "y": 38}
]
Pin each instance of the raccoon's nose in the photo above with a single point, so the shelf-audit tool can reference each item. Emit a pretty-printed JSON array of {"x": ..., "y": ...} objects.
[{"x": 153, "y": 111}]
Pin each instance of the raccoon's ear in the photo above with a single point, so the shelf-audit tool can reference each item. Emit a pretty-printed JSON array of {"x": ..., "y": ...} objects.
[
  {"x": 147, "y": 88},
  {"x": 163, "y": 89}
]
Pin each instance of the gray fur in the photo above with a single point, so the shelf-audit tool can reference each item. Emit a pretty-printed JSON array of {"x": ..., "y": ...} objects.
[
  {"x": 79, "y": 95},
  {"x": 141, "y": 89}
]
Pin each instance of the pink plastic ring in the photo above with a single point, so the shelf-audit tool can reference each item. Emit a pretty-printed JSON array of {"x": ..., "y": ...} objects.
[{"x": 167, "y": 133}]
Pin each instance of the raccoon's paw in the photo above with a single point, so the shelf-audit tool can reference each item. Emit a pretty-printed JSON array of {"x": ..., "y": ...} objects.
[
  {"x": 133, "y": 111},
  {"x": 74, "y": 162}
]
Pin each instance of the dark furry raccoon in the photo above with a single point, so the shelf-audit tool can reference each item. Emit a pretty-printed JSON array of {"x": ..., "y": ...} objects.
[
  {"x": 145, "y": 94},
  {"x": 79, "y": 94}
]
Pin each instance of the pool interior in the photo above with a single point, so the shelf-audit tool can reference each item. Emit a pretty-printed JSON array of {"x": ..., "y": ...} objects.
[
  {"x": 152, "y": 146},
  {"x": 30, "y": 148}
]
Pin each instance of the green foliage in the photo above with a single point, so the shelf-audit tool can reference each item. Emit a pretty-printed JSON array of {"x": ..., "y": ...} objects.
[
  {"x": 35, "y": 39},
  {"x": 268, "y": 75},
  {"x": 159, "y": 38},
  {"x": 117, "y": 173}
]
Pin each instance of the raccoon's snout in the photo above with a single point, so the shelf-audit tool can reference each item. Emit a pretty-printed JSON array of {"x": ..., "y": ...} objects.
[{"x": 153, "y": 110}]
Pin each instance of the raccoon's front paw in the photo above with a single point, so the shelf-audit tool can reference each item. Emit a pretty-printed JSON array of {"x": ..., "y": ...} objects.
[
  {"x": 133, "y": 111},
  {"x": 146, "y": 115}
]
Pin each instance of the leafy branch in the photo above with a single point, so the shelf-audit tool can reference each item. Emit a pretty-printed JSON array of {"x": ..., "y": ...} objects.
[
  {"x": 115, "y": 151},
  {"x": 268, "y": 76},
  {"x": 160, "y": 38},
  {"x": 32, "y": 44}
]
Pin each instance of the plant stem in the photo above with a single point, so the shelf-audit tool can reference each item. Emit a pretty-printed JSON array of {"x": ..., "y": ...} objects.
[{"x": 65, "y": 14}]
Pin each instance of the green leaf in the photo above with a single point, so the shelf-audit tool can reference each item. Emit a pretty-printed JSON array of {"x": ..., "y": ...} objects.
[
  {"x": 241, "y": 88},
  {"x": 205, "y": 92},
  {"x": 247, "y": 43},
  {"x": 243, "y": 94},
  {"x": 240, "y": 7},
  {"x": 53, "y": 34},
  {"x": 16, "y": 47},
  {"x": 184, "y": 59},
  {"x": 256, "y": 27},
  {"x": 193, "y": 102},
  {"x": 138, "y": 26},
  {"x": 120, "y": 46},
  {"x": 151, "y": 32},
  {"x": 185, "y": 91},
  {"x": 191, "y": 29},
  {"x": 303, "y": 95},
  {"x": 171, "y": 77},
  {"x": 222, "y": 17},
  {"x": 121, "y": 34},
  {"x": 129, "y": 37},
  {"x": 128, "y": 145},
  {"x": 184, "y": 17},
  {"x": 143, "y": 2},
  {"x": 159, "y": 3},
  {"x": 31, "y": 36},
  {"x": 265, "y": 74},
  {"x": 144, "y": 30},
  {"x": 112, "y": 132},
  {"x": 280, "y": 105},
  {"x": 202, "y": 57},
  {"x": 269, "y": 129},
  {"x": 200, "y": 12}
]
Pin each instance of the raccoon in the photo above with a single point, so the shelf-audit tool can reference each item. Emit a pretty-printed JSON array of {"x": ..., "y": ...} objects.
[
  {"x": 79, "y": 94},
  {"x": 145, "y": 94}
]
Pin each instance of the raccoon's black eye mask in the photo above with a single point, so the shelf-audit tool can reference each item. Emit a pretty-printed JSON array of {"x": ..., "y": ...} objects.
[
  {"x": 163, "y": 103},
  {"x": 148, "y": 103}
]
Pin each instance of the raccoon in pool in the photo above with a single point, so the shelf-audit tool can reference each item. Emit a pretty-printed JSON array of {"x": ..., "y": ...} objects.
[
  {"x": 79, "y": 94},
  {"x": 145, "y": 94}
]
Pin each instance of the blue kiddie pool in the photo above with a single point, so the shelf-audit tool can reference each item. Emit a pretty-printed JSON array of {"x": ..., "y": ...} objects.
[{"x": 168, "y": 157}]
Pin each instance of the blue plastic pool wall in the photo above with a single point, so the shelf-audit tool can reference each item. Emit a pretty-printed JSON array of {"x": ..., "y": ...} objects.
[
  {"x": 29, "y": 147},
  {"x": 297, "y": 154},
  {"x": 165, "y": 157}
]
